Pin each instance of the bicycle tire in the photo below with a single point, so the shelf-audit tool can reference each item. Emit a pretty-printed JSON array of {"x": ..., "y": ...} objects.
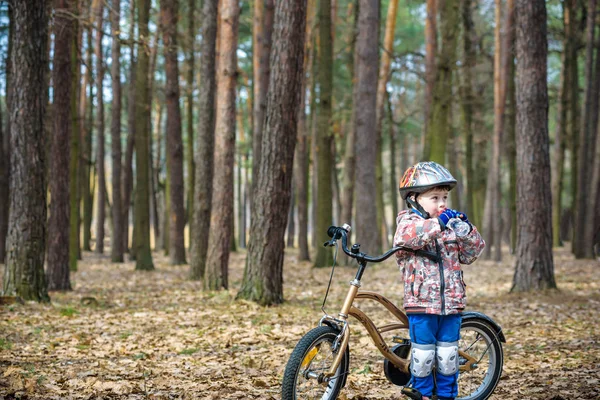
[
  {"x": 294, "y": 374},
  {"x": 495, "y": 359}
]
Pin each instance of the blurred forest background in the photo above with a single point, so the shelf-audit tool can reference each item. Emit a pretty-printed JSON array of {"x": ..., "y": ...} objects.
[{"x": 199, "y": 128}]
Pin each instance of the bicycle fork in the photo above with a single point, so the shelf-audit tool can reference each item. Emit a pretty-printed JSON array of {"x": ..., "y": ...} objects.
[{"x": 341, "y": 341}]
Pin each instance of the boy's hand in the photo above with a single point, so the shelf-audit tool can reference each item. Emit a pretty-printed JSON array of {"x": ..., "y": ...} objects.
[
  {"x": 462, "y": 216},
  {"x": 446, "y": 216}
]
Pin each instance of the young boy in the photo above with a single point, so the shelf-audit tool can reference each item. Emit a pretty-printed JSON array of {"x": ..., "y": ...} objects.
[{"x": 434, "y": 290}]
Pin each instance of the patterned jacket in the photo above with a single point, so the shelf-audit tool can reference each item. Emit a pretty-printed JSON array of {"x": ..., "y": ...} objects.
[{"x": 434, "y": 287}]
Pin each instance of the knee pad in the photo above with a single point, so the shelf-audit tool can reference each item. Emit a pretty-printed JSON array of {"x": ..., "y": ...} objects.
[
  {"x": 422, "y": 359},
  {"x": 447, "y": 358}
]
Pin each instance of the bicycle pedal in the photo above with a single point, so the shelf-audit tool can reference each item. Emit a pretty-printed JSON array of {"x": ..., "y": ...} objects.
[{"x": 411, "y": 393}]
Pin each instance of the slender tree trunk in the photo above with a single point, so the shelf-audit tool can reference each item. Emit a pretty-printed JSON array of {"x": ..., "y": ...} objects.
[
  {"x": 511, "y": 150},
  {"x": 153, "y": 183},
  {"x": 430, "y": 75},
  {"x": 393, "y": 177},
  {"x": 263, "y": 276},
  {"x": 467, "y": 100},
  {"x": 323, "y": 141},
  {"x": 98, "y": 7},
  {"x": 74, "y": 140},
  {"x": 161, "y": 225},
  {"x": 5, "y": 145},
  {"x": 365, "y": 106},
  {"x": 587, "y": 231},
  {"x": 241, "y": 191},
  {"x": 219, "y": 241},
  {"x": 117, "y": 212},
  {"x": 87, "y": 113},
  {"x": 24, "y": 271},
  {"x": 442, "y": 97},
  {"x": 169, "y": 16},
  {"x": 291, "y": 224},
  {"x": 190, "y": 58},
  {"x": 384, "y": 76},
  {"x": 142, "y": 193},
  {"x": 4, "y": 177},
  {"x": 581, "y": 246},
  {"x": 128, "y": 161},
  {"x": 492, "y": 223},
  {"x": 205, "y": 145},
  {"x": 561, "y": 129},
  {"x": 349, "y": 170},
  {"x": 534, "y": 267},
  {"x": 263, "y": 24},
  {"x": 574, "y": 116},
  {"x": 57, "y": 270},
  {"x": 301, "y": 156}
]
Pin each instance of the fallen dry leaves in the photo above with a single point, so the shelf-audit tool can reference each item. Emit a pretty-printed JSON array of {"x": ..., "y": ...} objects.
[{"x": 137, "y": 335}]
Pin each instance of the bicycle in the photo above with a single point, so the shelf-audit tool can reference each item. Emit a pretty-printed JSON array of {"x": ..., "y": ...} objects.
[{"x": 320, "y": 363}]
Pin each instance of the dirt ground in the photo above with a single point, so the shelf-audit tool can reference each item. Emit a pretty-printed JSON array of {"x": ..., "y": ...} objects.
[{"x": 122, "y": 334}]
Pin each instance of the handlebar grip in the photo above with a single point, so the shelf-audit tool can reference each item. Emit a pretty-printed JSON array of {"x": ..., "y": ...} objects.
[{"x": 333, "y": 231}]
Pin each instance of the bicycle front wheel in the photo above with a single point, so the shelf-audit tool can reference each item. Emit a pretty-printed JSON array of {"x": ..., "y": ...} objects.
[
  {"x": 313, "y": 356},
  {"x": 480, "y": 358}
]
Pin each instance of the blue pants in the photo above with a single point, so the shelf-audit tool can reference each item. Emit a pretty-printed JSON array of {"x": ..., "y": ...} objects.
[{"x": 430, "y": 329}]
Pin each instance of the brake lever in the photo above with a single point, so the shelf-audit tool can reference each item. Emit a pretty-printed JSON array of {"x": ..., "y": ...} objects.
[{"x": 329, "y": 243}]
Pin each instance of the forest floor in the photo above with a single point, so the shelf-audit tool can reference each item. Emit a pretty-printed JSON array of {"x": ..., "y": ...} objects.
[{"x": 136, "y": 335}]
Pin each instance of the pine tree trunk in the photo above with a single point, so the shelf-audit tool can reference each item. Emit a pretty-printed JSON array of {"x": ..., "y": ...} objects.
[
  {"x": 98, "y": 7},
  {"x": 301, "y": 156},
  {"x": 263, "y": 25},
  {"x": 205, "y": 145},
  {"x": 561, "y": 129},
  {"x": 151, "y": 168},
  {"x": 291, "y": 224},
  {"x": 5, "y": 146},
  {"x": 582, "y": 248},
  {"x": 219, "y": 240},
  {"x": 442, "y": 96},
  {"x": 87, "y": 112},
  {"x": 534, "y": 267},
  {"x": 160, "y": 219},
  {"x": 241, "y": 196},
  {"x": 117, "y": 212},
  {"x": 430, "y": 74},
  {"x": 349, "y": 171},
  {"x": 263, "y": 276},
  {"x": 57, "y": 271},
  {"x": 26, "y": 241},
  {"x": 190, "y": 57},
  {"x": 587, "y": 237},
  {"x": 511, "y": 150},
  {"x": 169, "y": 15},
  {"x": 574, "y": 120},
  {"x": 384, "y": 76},
  {"x": 4, "y": 177},
  {"x": 492, "y": 222},
  {"x": 324, "y": 194},
  {"x": 143, "y": 255},
  {"x": 393, "y": 177},
  {"x": 365, "y": 109},
  {"x": 128, "y": 161},
  {"x": 467, "y": 100},
  {"x": 74, "y": 140}
]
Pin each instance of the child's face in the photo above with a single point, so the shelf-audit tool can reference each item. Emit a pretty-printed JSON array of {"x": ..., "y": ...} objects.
[{"x": 434, "y": 201}]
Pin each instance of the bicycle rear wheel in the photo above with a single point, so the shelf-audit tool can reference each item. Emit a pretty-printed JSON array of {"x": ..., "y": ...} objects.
[
  {"x": 481, "y": 359},
  {"x": 312, "y": 356}
]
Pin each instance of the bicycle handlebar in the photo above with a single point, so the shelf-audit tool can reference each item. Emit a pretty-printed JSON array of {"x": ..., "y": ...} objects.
[{"x": 341, "y": 232}]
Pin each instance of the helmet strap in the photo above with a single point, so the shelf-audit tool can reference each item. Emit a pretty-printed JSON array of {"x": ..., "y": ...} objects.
[{"x": 417, "y": 207}]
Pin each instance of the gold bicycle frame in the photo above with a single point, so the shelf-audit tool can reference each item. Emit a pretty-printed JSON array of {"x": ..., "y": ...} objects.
[{"x": 375, "y": 332}]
